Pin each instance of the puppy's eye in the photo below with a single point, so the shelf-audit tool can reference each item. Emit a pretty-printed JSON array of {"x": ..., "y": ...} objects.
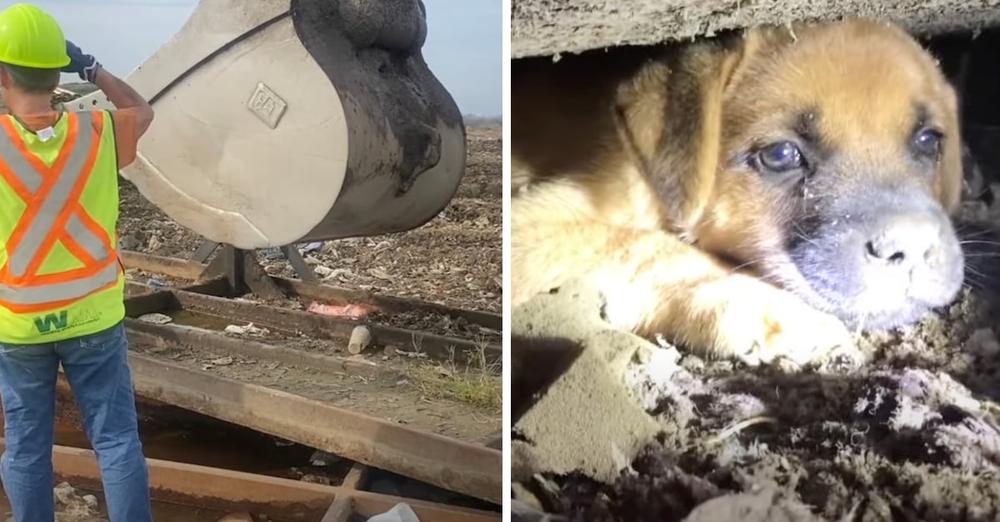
[
  {"x": 927, "y": 143},
  {"x": 780, "y": 157}
]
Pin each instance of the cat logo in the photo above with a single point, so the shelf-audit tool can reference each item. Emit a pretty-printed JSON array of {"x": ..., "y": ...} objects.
[{"x": 56, "y": 321}]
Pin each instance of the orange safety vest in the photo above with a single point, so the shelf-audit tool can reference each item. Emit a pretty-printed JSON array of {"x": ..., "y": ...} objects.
[{"x": 60, "y": 275}]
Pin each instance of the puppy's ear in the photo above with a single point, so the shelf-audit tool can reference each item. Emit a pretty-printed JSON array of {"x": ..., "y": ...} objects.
[
  {"x": 669, "y": 117},
  {"x": 951, "y": 174}
]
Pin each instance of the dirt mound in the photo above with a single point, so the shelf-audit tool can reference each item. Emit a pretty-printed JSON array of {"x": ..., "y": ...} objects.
[{"x": 913, "y": 435}]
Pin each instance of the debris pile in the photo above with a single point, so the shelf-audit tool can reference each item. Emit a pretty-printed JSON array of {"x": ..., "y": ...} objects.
[{"x": 913, "y": 435}]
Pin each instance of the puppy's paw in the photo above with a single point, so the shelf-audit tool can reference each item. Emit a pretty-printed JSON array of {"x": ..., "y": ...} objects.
[{"x": 760, "y": 324}]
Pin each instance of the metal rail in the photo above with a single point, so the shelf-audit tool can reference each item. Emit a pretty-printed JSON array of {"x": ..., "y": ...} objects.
[
  {"x": 314, "y": 325},
  {"x": 277, "y": 498},
  {"x": 192, "y": 271},
  {"x": 458, "y": 466},
  {"x": 469, "y": 469}
]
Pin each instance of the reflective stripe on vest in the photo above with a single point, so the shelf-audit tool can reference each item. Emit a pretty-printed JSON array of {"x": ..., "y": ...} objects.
[{"x": 53, "y": 214}]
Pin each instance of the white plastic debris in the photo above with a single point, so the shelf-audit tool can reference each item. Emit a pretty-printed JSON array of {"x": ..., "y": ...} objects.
[
  {"x": 312, "y": 247},
  {"x": 156, "y": 318},
  {"x": 222, "y": 361},
  {"x": 399, "y": 513},
  {"x": 249, "y": 329},
  {"x": 361, "y": 337}
]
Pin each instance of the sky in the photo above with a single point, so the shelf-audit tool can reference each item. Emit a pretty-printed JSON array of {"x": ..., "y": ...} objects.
[{"x": 463, "y": 46}]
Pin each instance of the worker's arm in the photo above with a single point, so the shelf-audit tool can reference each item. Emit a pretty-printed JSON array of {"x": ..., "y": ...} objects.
[
  {"x": 123, "y": 96},
  {"x": 119, "y": 93}
]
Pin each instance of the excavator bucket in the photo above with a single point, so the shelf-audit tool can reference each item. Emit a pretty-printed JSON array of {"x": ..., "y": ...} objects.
[{"x": 284, "y": 121}]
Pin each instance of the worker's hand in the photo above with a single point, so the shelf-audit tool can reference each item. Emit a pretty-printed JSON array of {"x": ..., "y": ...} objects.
[{"x": 83, "y": 64}]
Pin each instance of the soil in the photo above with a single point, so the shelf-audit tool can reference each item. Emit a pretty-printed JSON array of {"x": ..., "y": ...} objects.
[{"x": 455, "y": 259}]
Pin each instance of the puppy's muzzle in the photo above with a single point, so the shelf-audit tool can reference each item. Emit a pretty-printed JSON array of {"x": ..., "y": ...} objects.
[
  {"x": 918, "y": 249},
  {"x": 886, "y": 260}
]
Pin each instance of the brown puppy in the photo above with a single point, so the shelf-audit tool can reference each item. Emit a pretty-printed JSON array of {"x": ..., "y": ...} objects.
[{"x": 752, "y": 196}]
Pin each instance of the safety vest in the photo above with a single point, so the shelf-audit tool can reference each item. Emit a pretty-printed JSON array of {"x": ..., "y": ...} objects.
[{"x": 60, "y": 275}]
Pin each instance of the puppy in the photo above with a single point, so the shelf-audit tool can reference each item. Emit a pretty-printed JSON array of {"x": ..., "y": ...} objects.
[{"x": 753, "y": 196}]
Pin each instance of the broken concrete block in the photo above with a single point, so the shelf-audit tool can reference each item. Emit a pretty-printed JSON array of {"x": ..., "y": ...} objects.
[{"x": 572, "y": 411}]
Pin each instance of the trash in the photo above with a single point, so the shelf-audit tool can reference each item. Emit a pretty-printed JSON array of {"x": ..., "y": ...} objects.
[
  {"x": 156, "y": 283},
  {"x": 316, "y": 479},
  {"x": 413, "y": 355},
  {"x": 154, "y": 244},
  {"x": 381, "y": 274},
  {"x": 71, "y": 505},
  {"x": 312, "y": 247},
  {"x": 350, "y": 311},
  {"x": 399, "y": 513},
  {"x": 361, "y": 337},
  {"x": 222, "y": 361},
  {"x": 156, "y": 319},
  {"x": 323, "y": 271},
  {"x": 249, "y": 329},
  {"x": 64, "y": 493},
  {"x": 272, "y": 254},
  {"x": 339, "y": 273},
  {"x": 322, "y": 458}
]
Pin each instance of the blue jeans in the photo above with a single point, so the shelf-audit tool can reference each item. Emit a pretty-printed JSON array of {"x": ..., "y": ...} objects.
[{"x": 96, "y": 367}]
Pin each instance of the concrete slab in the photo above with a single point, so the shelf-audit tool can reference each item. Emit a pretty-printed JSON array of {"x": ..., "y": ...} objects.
[{"x": 548, "y": 27}]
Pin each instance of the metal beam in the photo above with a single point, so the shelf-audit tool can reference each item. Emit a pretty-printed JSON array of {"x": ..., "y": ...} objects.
[
  {"x": 324, "y": 327},
  {"x": 200, "y": 486},
  {"x": 458, "y": 466},
  {"x": 206, "y": 340},
  {"x": 185, "y": 269}
]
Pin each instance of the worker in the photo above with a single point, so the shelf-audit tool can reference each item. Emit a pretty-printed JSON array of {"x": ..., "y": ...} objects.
[{"x": 61, "y": 281}]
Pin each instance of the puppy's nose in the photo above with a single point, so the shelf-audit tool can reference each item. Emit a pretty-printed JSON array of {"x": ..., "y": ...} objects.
[{"x": 904, "y": 240}]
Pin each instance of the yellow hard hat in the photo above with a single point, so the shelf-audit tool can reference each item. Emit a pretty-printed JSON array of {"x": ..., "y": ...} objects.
[{"x": 30, "y": 37}]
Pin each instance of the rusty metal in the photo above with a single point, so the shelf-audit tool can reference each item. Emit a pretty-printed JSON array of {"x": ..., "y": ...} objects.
[
  {"x": 277, "y": 498},
  {"x": 314, "y": 325},
  {"x": 205, "y": 251},
  {"x": 185, "y": 269},
  {"x": 168, "y": 266},
  {"x": 243, "y": 273},
  {"x": 465, "y": 468},
  {"x": 204, "y": 340},
  {"x": 299, "y": 265},
  {"x": 356, "y": 476},
  {"x": 340, "y": 511}
]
